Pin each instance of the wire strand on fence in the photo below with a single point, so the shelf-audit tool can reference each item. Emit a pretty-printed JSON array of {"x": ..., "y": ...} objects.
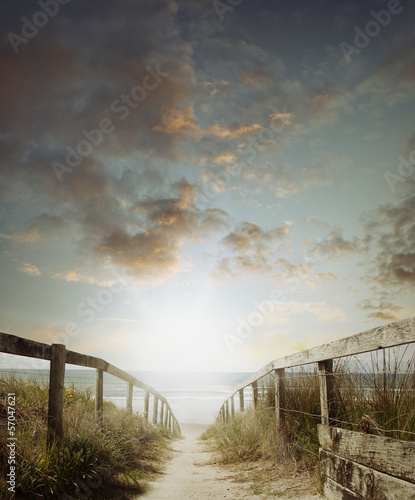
[{"x": 315, "y": 415}]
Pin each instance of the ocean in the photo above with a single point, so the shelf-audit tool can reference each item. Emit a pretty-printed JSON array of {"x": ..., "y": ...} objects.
[{"x": 195, "y": 397}]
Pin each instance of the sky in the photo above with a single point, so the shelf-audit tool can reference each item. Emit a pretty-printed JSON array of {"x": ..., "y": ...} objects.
[{"x": 205, "y": 185}]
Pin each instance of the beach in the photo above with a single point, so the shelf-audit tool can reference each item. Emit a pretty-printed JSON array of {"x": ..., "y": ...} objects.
[{"x": 193, "y": 474}]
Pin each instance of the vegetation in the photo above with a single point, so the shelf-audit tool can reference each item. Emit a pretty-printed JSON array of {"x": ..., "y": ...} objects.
[
  {"x": 379, "y": 398},
  {"x": 115, "y": 461},
  {"x": 375, "y": 395}
]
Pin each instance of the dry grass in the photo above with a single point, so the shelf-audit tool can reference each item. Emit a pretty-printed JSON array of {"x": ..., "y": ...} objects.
[
  {"x": 118, "y": 459},
  {"x": 376, "y": 395}
]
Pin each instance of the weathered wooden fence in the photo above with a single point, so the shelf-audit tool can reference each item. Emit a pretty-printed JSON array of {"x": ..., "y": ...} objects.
[
  {"x": 354, "y": 465},
  {"x": 59, "y": 356}
]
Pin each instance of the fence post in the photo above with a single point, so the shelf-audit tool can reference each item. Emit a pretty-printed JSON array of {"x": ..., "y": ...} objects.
[
  {"x": 232, "y": 406},
  {"x": 169, "y": 420},
  {"x": 161, "y": 413},
  {"x": 146, "y": 405},
  {"x": 155, "y": 407},
  {"x": 255, "y": 392},
  {"x": 166, "y": 416},
  {"x": 56, "y": 387},
  {"x": 227, "y": 410},
  {"x": 279, "y": 381},
  {"x": 99, "y": 395},
  {"x": 129, "y": 404},
  {"x": 241, "y": 400},
  {"x": 326, "y": 390}
]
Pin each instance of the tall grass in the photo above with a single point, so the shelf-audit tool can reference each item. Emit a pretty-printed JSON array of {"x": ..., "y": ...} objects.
[
  {"x": 256, "y": 434},
  {"x": 92, "y": 462},
  {"x": 373, "y": 395},
  {"x": 378, "y": 396}
]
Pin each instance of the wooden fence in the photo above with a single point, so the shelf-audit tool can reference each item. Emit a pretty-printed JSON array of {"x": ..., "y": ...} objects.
[
  {"x": 354, "y": 465},
  {"x": 59, "y": 356}
]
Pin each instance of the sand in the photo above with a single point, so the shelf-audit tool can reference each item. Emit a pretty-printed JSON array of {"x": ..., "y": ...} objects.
[{"x": 193, "y": 475}]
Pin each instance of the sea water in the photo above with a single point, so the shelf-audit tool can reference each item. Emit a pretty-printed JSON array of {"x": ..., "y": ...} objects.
[{"x": 194, "y": 397}]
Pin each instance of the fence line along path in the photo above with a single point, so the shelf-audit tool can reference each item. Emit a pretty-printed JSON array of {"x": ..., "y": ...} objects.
[
  {"x": 59, "y": 356},
  {"x": 353, "y": 465}
]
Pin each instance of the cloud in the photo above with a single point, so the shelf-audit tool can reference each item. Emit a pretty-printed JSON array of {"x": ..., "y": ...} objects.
[
  {"x": 392, "y": 82},
  {"x": 179, "y": 121},
  {"x": 391, "y": 239},
  {"x": 29, "y": 236},
  {"x": 320, "y": 311},
  {"x": 29, "y": 269},
  {"x": 168, "y": 223},
  {"x": 385, "y": 310},
  {"x": 299, "y": 275},
  {"x": 321, "y": 108},
  {"x": 334, "y": 247},
  {"x": 251, "y": 249},
  {"x": 73, "y": 275},
  {"x": 237, "y": 132},
  {"x": 214, "y": 87}
]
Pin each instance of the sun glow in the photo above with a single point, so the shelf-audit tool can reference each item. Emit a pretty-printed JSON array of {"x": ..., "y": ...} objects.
[{"x": 189, "y": 333}]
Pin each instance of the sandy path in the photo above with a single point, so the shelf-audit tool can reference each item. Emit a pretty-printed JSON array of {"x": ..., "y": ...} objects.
[{"x": 190, "y": 475}]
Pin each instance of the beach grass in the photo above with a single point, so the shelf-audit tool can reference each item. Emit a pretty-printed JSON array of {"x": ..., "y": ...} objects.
[
  {"x": 114, "y": 461},
  {"x": 375, "y": 395}
]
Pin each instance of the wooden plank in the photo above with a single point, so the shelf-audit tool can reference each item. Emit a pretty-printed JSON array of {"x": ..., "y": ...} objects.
[
  {"x": 99, "y": 396},
  {"x": 325, "y": 369},
  {"x": 279, "y": 381},
  {"x": 335, "y": 491},
  {"x": 255, "y": 393},
  {"x": 12, "y": 344},
  {"x": 390, "y": 335},
  {"x": 121, "y": 374},
  {"x": 232, "y": 406},
  {"x": 166, "y": 416},
  {"x": 146, "y": 405},
  {"x": 76, "y": 358},
  {"x": 56, "y": 387},
  {"x": 366, "y": 482},
  {"x": 155, "y": 408},
  {"x": 161, "y": 413},
  {"x": 129, "y": 402},
  {"x": 391, "y": 456},
  {"x": 241, "y": 400}
]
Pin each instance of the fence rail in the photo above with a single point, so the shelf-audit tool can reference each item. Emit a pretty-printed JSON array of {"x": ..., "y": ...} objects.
[
  {"x": 391, "y": 335},
  {"x": 59, "y": 356},
  {"x": 382, "y": 337}
]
